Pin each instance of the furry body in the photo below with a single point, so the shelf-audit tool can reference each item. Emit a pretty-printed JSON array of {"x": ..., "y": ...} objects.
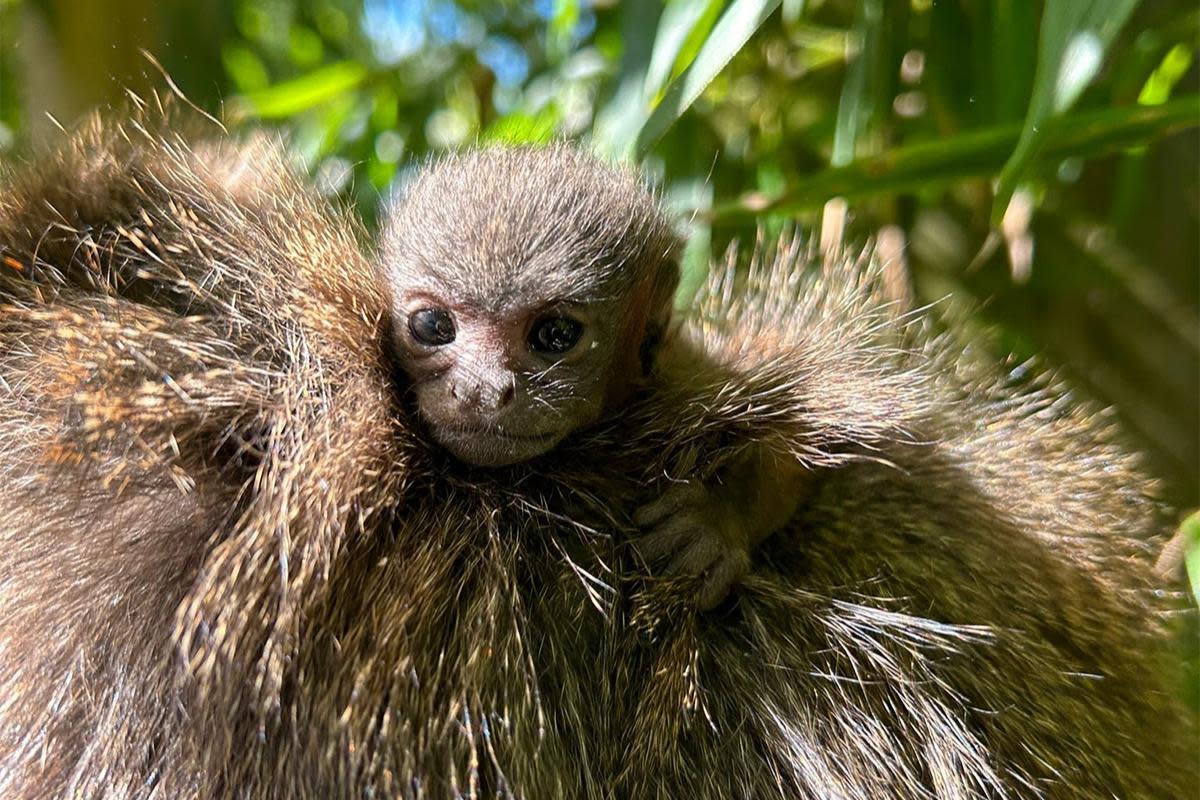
[{"x": 231, "y": 566}]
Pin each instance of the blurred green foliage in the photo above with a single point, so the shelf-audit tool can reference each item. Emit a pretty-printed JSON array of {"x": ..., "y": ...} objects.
[{"x": 928, "y": 116}]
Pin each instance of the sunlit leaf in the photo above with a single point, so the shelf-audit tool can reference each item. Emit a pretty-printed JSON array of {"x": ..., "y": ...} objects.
[
  {"x": 523, "y": 128},
  {"x": 1074, "y": 37},
  {"x": 792, "y": 9},
  {"x": 678, "y": 21},
  {"x": 303, "y": 93},
  {"x": 692, "y": 44},
  {"x": 1173, "y": 67},
  {"x": 728, "y": 36}
]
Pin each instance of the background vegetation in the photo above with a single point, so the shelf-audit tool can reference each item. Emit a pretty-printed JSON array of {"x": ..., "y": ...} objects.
[{"x": 1037, "y": 162}]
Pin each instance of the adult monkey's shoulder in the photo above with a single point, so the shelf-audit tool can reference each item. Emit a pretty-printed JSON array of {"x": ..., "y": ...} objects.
[{"x": 963, "y": 601}]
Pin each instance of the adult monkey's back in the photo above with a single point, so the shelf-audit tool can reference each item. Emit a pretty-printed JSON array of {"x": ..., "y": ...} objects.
[
  {"x": 231, "y": 569},
  {"x": 185, "y": 330}
]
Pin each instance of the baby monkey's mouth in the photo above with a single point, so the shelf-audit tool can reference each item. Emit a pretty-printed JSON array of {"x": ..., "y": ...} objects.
[
  {"x": 492, "y": 446},
  {"x": 485, "y": 432}
]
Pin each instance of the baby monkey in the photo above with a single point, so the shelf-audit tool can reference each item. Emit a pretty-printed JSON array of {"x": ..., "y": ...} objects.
[{"x": 531, "y": 291}]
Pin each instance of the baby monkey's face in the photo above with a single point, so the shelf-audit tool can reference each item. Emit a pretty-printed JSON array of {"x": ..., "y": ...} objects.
[
  {"x": 497, "y": 386},
  {"x": 522, "y": 285}
]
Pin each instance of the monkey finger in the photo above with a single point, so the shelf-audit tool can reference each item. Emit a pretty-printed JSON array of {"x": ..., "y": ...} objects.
[
  {"x": 721, "y": 578},
  {"x": 696, "y": 557},
  {"x": 667, "y": 538},
  {"x": 670, "y": 502}
]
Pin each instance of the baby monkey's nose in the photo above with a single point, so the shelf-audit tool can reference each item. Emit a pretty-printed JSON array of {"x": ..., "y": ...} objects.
[
  {"x": 487, "y": 395},
  {"x": 506, "y": 395},
  {"x": 495, "y": 396}
]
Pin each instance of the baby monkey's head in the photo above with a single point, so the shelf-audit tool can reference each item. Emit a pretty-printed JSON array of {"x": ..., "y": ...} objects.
[{"x": 528, "y": 287}]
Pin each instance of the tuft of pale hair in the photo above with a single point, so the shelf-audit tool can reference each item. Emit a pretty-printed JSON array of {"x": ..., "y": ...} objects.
[{"x": 498, "y": 224}]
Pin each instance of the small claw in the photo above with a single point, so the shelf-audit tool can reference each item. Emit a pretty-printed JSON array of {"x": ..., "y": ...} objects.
[
  {"x": 666, "y": 538},
  {"x": 696, "y": 557},
  {"x": 721, "y": 578}
]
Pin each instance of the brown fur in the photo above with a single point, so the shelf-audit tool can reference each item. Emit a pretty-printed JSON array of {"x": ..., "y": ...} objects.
[{"x": 230, "y": 566}]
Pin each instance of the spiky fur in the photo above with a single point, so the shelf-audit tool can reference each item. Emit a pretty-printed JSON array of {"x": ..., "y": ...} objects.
[{"x": 230, "y": 566}]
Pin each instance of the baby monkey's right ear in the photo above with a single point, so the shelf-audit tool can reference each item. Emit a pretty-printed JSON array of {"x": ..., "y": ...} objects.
[
  {"x": 664, "y": 281},
  {"x": 648, "y": 353}
]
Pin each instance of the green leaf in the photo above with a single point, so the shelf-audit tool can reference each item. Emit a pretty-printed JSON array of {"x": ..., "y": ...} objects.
[
  {"x": 244, "y": 67},
  {"x": 792, "y": 9},
  {"x": 1190, "y": 529},
  {"x": 679, "y": 19},
  {"x": 933, "y": 164},
  {"x": 619, "y": 120},
  {"x": 303, "y": 93},
  {"x": 1074, "y": 37},
  {"x": 729, "y": 35},
  {"x": 1013, "y": 57},
  {"x": 854, "y": 106},
  {"x": 305, "y": 46},
  {"x": 1162, "y": 81},
  {"x": 520, "y": 127}
]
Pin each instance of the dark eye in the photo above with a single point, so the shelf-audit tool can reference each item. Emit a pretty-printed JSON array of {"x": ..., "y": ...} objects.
[
  {"x": 432, "y": 326},
  {"x": 555, "y": 335}
]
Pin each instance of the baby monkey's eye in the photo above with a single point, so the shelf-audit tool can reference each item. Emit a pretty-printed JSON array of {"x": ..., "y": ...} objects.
[
  {"x": 432, "y": 326},
  {"x": 555, "y": 335}
]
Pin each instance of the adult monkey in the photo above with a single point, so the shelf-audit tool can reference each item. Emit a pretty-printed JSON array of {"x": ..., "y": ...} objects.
[{"x": 232, "y": 565}]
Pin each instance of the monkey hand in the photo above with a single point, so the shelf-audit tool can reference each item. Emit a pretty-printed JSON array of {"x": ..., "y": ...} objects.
[{"x": 698, "y": 528}]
